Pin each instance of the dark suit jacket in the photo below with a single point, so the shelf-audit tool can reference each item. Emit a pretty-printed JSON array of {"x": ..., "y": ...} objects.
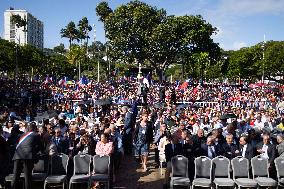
[
  {"x": 4, "y": 148},
  {"x": 250, "y": 151},
  {"x": 29, "y": 148},
  {"x": 197, "y": 142},
  {"x": 62, "y": 146},
  {"x": 229, "y": 150},
  {"x": 204, "y": 150},
  {"x": 128, "y": 122},
  {"x": 271, "y": 151},
  {"x": 188, "y": 151},
  {"x": 170, "y": 153}
]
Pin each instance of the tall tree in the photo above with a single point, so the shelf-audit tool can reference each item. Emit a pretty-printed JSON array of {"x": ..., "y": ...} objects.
[
  {"x": 60, "y": 49},
  {"x": 139, "y": 31},
  {"x": 70, "y": 32},
  {"x": 84, "y": 29}
]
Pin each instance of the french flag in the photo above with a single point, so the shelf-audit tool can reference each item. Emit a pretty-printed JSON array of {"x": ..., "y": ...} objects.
[
  {"x": 48, "y": 80},
  {"x": 63, "y": 81},
  {"x": 83, "y": 81}
]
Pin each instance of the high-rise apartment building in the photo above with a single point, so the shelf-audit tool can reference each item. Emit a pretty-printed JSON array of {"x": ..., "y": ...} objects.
[{"x": 33, "y": 34}]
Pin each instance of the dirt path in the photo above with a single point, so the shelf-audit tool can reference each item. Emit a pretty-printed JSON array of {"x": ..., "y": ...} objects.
[{"x": 131, "y": 176}]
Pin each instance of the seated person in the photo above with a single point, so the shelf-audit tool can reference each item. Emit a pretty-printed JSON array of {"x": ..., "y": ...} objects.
[
  {"x": 104, "y": 146},
  {"x": 210, "y": 149},
  {"x": 86, "y": 144},
  {"x": 230, "y": 150}
]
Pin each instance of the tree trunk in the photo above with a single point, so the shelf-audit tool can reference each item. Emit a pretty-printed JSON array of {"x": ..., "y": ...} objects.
[
  {"x": 69, "y": 44},
  {"x": 160, "y": 74}
]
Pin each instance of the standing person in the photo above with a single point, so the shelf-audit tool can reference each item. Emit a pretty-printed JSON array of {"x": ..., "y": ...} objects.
[
  {"x": 171, "y": 149},
  {"x": 4, "y": 156},
  {"x": 188, "y": 152},
  {"x": 280, "y": 146},
  {"x": 143, "y": 136},
  {"x": 198, "y": 140},
  {"x": 25, "y": 155},
  {"x": 128, "y": 129}
]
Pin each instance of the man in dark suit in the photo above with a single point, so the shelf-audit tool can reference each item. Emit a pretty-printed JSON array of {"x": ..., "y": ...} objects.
[
  {"x": 25, "y": 156},
  {"x": 188, "y": 152},
  {"x": 128, "y": 129},
  {"x": 198, "y": 140},
  {"x": 4, "y": 157},
  {"x": 60, "y": 142},
  {"x": 266, "y": 149},
  {"x": 230, "y": 150},
  {"x": 246, "y": 149},
  {"x": 172, "y": 149},
  {"x": 210, "y": 149}
]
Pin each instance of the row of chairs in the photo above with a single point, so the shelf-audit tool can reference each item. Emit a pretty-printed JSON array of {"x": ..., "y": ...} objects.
[
  {"x": 82, "y": 173},
  {"x": 216, "y": 172}
]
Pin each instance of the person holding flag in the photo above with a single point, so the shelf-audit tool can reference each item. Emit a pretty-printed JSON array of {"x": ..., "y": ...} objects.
[{"x": 26, "y": 155}]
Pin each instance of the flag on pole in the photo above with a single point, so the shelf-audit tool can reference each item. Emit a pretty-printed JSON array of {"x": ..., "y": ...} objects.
[
  {"x": 83, "y": 81},
  {"x": 184, "y": 85},
  {"x": 48, "y": 80},
  {"x": 149, "y": 78}
]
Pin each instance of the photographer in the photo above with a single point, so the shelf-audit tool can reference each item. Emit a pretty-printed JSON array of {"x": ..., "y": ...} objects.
[{"x": 86, "y": 144}]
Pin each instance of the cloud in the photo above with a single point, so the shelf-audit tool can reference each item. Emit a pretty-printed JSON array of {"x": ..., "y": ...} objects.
[{"x": 239, "y": 44}]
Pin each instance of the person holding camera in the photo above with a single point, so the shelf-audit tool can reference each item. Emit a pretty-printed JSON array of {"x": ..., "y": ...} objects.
[{"x": 86, "y": 144}]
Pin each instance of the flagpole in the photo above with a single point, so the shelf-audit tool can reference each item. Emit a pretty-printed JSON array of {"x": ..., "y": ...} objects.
[
  {"x": 98, "y": 71},
  {"x": 262, "y": 79},
  {"x": 79, "y": 70}
]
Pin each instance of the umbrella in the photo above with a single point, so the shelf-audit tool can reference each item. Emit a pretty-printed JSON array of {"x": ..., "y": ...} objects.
[
  {"x": 228, "y": 116},
  {"x": 53, "y": 114},
  {"x": 184, "y": 85},
  {"x": 159, "y": 105},
  {"x": 103, "y": 102},
  {"x": 183, "y": 106}
]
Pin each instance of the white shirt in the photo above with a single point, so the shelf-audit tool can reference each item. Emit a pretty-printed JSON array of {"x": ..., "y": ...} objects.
[
  {"x": 264, "y": 153},
  {"x": 210, "y": 152},
  {"x": 244, "y": 150}
]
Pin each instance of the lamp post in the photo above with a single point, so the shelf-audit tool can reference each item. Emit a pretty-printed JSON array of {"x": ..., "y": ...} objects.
[
  {"x": 79, "y": 70},
  {"x": 17, "y": 37},
  {"x": 263, "y": 48},
  {"x": 98, "y": 71},
  {"x": 139, "y": 76}
]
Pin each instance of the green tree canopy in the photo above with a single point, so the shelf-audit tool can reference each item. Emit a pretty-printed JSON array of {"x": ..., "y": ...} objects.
[
  {"x": 84, "y": 29},
  {"x": 139, "y": 31},
  {"x": 70, "y": 32}
]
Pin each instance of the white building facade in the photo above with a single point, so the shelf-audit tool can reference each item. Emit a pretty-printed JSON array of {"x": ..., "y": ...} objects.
[{"x": 33, "y": 34}]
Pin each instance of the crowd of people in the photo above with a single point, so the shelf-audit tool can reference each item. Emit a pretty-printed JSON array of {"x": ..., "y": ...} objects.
[{"x": 126, "y": 117}]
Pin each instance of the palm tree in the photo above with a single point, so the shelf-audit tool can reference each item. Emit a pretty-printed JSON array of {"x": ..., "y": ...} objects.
[
  {"x": 70, "y": 32},
  {"x": 84, "y": 29}
]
